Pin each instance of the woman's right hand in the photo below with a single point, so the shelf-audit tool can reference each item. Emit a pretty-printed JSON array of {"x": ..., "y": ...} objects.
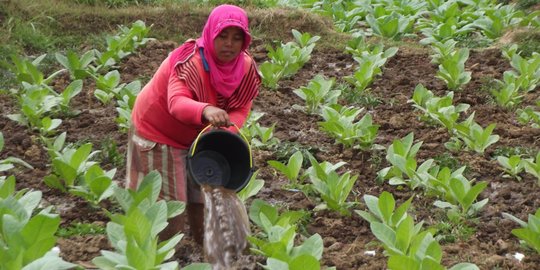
[{"x": 216, "y": 116}]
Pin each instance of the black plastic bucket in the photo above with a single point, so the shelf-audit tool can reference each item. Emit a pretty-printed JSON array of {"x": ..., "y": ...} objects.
[{"x": 220, "y": 158}]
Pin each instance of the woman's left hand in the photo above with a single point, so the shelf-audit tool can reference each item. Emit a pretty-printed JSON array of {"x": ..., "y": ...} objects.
[{"x": 216, "y": 116}]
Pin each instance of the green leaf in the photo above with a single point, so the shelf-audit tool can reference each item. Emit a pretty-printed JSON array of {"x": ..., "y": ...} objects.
[
  {"x": 473, "y": 193},
  {"x": 7, "y": 187},
  {"x": 464, "y": 266},
  {"x": 372, "y": 203},
  {"x": 313, "y": 246},
  {"x": 38, "y": 235},
  {"x": 384, "y": 233},
  {"x": 138, "y": 258},
  {"x": 401, "y": 212},
  {"x": 65, "y": 171},
  {"x": 252, "y": 188},
  {"x": 530, "y": 237},
  {"x": 175, "y": 208},
  {"x": 404, "y": 234},
  {"x": 275, "y": 264},
  {"x": 402, "y": 262},
  {"x": 81, "y": 155},
  {"x": 303, "y": 262},
  {"x": 138, "y": 226},
  {"x": 50, "y": 261},
  {"x": 386, "y": 206},
  {"x": 431, "y": 264}
]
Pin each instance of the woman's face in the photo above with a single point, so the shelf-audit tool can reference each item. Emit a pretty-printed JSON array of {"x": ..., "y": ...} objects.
[{"x": 228, "y": 44}]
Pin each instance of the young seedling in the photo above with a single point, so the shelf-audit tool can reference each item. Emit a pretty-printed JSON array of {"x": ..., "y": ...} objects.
[
  {"x": 79, "y": 68},
  {"x": 277, "y": 243},
  {"x": 383, "y": 210},
  {"x": 452, "y": 69},
  {"x": 98, "y": 185},
  {"x": 252, "y": 188},
  {"x": 318, "y": 92},
  {"x": 333, "y": 188},
  {"x": 291, "y": 169},
  {"x": 436, "y": 108},
  {"x": 134, "y": 233},
  {"x": 512, "y": 166},
  {"x": 474, "y": 136},
  {"x": 529, "y": 116},
  {"x": 340, "y": 123},
  {"x": 461, "y": 196},
  {"x": 529, "y": 231},
  {"x": 28, "y": 234},
  {"x": 532, "y": 166}
]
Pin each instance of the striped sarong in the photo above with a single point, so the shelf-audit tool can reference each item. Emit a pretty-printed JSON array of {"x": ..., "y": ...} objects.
[{"x": 144, "y": 156}]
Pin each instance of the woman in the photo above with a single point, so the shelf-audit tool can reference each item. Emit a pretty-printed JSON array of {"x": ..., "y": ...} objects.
[{"x": 211, "y": 80}]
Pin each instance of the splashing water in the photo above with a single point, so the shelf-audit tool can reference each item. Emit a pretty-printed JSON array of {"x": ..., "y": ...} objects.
[{"x": 226, "y": 226}]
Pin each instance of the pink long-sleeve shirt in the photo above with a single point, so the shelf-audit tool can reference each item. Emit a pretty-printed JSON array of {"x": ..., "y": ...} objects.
[{"x": 168, "y": 112}]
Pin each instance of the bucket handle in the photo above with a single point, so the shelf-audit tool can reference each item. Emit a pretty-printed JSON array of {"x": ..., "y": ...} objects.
[{"x": 239, "y": 132}]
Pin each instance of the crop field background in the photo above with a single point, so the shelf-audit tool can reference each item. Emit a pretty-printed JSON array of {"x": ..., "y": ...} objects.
[{"x": 366, "y": 106}]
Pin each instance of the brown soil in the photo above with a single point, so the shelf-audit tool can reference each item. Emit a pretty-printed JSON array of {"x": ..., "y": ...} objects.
[{"x": 346, "y": 239}]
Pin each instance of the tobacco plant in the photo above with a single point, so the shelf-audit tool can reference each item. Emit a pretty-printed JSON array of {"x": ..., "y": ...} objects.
[
  {"x": 527, "y": 71},
  {"x": 79, "y": 68},
  {"x": 340, "y": 123},
  {"x": 69, "y": 164},
  {"x": 263, "y": 137},
  {"x": 266, "y": 216},
  {"x": 461, "y": 195},
  {"x": 97, "y": 185},
  {"x": 36, "y": 104},
  {"x": 436, "y": 108},
  {"x": 452, "y": 69},
  {"x": 305, "y": 40},
  {"x": 125, "y": 100},
  {"x": 450, "y": 28},
  {"x": 529, "y": 115},
  {"x": 495, "y": 21},
  {"x": 383, "y": 210},
  {"x": 134, "y": 233},
  {"x": 27, "y": 234},
  {"x": 532, "y": 166},
  {"x": 438, "y": 178},
  {"x": 277, "y": 242},
  {"x": 345, "y": 15},
  {"x": 107, "y": 86},
  {"x": 390, "y": 24},
  {"x": 529, "y": 233},
  {"x": 291, "y": 169},
  {"x": 333, "y": 188},
  {"x": 271, "y": 73},
  {"x": 320, "y": 170},
  {"x": 442, "y": 50},
  {"x": 318, "y": 92},
  {"x": 122, "y": 45},
  {"x": 370, "y": 62},
  {"x": 405, "y": 243},
  {"x": 474, "y": 136},
  {"x": 252, "y": 188},
  {"x": 512, "y": 165},
  {"x": 507, "y": 92},
  {"x": 39, "y": 103},
  {"x": 287, "y": 59},
  {"x": 27, "y": 71},
  {"x": 405, "y": 170},
  {"x": 259, "y": 136}
]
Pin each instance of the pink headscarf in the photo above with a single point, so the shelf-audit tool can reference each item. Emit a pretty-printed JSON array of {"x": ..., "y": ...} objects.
[{"x": 224, "y": 77}]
